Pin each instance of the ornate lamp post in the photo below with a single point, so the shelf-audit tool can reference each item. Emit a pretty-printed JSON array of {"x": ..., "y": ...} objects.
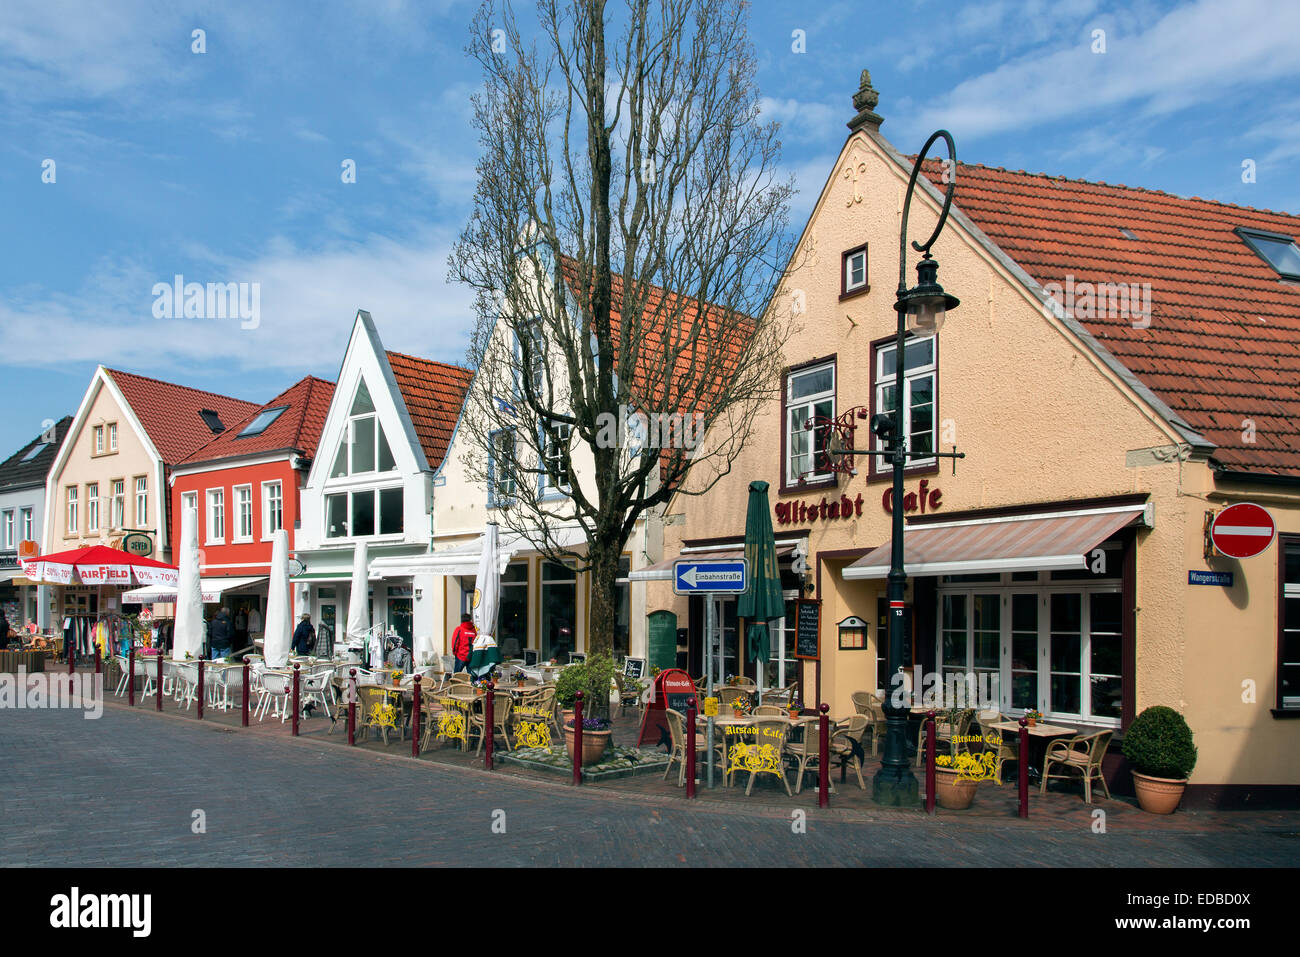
[{"x": 921, "y": 311}]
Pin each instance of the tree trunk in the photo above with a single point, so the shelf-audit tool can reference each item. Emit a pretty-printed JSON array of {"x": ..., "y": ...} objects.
[{"x": 603, "y": 556}]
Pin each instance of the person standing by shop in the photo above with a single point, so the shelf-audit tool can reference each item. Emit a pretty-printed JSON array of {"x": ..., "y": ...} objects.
[
  {"x": 304, "y": 636},
  {"x": 219, "y": 634},
  {"x": 462, "y": 642}
]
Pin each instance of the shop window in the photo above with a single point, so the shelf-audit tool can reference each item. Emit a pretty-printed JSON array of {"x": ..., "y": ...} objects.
[
  {"x": 809, "y": 395},
  {"x": 512, "y": 616},
  {"x": 1288, "y": 679},
  {"x": 559, "y": 607},
  {"x": 920, "y": 392},
  {"x": 623, "y": 610}
]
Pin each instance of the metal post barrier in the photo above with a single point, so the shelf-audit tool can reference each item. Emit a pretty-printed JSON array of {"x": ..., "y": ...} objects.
[
  {"x": 929, "y": 762},
  {"x": 247, "y": 691},
  {"x": 160, "y": 683},
  {"x": 415, "y": 719},
  {"x": 72, "y": 669},
  {"x": 352, "y": 706},
  {"x": 577, "y": 739},
  {"x": 99, "y": 661},
  {"x": 690, "y": 746},
  {"x": 489, "y": 723},
  {"x": 1022, "y": 767},
  {"x": 200, "y": 689},
  {"x": 296, "y": 705},
  {"x": 131, "y": 680},
  {"x": 824, "y": 757}
]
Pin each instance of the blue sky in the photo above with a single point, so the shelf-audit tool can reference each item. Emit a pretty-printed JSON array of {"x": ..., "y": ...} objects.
[{"x": 225, "y": 166}]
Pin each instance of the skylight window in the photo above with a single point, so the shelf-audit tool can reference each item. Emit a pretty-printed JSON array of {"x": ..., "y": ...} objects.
[
  {"x": 1276, "y": 249},
  {"x": 36, "y": 450},
  {"x": 260, "y": 424},
  {"x": 1127, "y": 233}
]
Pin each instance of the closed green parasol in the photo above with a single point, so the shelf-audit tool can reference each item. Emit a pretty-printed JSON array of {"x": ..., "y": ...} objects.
[{"x": 762, "y": 601}]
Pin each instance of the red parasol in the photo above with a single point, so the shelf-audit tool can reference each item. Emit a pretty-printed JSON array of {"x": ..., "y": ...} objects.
[{"x": 98, "y": 565}]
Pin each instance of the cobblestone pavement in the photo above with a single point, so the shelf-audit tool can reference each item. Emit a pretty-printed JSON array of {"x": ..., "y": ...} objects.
[{"x": 125, "y": 789}]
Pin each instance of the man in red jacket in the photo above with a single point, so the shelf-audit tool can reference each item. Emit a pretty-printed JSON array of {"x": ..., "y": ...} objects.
[{"x": 462, "y": 643}]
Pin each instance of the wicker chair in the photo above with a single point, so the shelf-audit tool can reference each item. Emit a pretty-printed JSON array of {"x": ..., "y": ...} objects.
[
  {"x": 747, "y": 685},
  {"x": 728, "y": 693},
  {"x": 1008, "y": 747},
  {"x": 867, "y": 704},
  {"x": 848, "y": 733},
  {"x": 628, "y": 694},
  {"x": 945, "y": 732},
  {"x": 371, "y": 712},
  {"x": 1081, "y": 755},
  {"x": 677, "y": 732},
  {"x": 771, "y": 734},
  {"x": 502, "y": 703},
  {"x": 769, "y": 709},
  {"x": 806, "y": 752}
]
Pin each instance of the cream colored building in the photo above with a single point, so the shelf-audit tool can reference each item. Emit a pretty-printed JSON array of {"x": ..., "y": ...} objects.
[{"x": 1066, "y": 553}]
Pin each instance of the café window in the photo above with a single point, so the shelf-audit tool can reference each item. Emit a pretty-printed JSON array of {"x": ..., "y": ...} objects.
[
  {"x": 809, "y": 395},
  {"x": 1053, "y": 647},
  {"x": 512, "y": 616},
  {"x": 855, "y": 271},
  {"x": 559, "y": 606},
  {"x": 1288, "y": 679},
  {"x": 920, "y": 391}
]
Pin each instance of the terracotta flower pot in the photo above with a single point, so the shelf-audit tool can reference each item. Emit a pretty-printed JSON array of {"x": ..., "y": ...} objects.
[
  {"x": 1158, "y": 795},
  {"x": 594, "y": 744},
  {"x": 952, "y": 791},
  {"x": 1031, "y": 722}
]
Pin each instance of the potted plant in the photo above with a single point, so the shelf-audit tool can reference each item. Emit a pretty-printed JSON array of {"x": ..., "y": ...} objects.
[
  {"x": 1158, "y": 744},
  {"x": 1032, "y": 717},
  {"x": 593, "y": 678},
  {"x": 955, "y": 779},
  {"x": 397, "y": 677},
  {"x": 595, "y": 739}
]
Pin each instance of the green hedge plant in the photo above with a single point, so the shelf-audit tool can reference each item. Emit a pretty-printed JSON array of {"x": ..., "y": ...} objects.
[
  {"x": 593, "y": 678},
  {"x": 1159, "y": 744}
]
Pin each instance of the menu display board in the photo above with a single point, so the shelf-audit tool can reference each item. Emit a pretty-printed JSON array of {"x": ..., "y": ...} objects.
[
  {"x": 807, "y": 642},
  {"x": 633, "y": 667}
]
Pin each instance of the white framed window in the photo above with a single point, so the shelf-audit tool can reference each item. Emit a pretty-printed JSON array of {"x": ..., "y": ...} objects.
[
  {"x": 141, "y": 501},
  {"x": 99, "y": 440},
  {"x": 855, "y": 271},
  {"x": 532, "y": 354},
  {"x": 557, "y": 458},
  {"x": 272, "y": 508},
  {"x": 920, "y": 396},
  {"x": 501, "y": 469},
  {"x": 28, "y": 528},
  {"x": 243, "y": 513},
  {"x": 1054, "y": 641},
  {"x": 9, "y": 528},
  {"x": 1288, "y": 678},
  {"x": 112, "y": 436},
  {"x": 118, "y": 504},
  {"x": 190, "y": 500},
  {"x": 363, "y": 448},
  {"x": 809, "y": 397},
  {"x": 74, "y": 524},
  {"x": 92, "y": 507},
  {"x": 216, "y": 516},
  {"x": 365, "y": 513}
]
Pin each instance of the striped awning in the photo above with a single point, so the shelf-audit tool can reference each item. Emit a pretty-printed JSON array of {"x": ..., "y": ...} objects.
[{"x": 1014, "y": 543}]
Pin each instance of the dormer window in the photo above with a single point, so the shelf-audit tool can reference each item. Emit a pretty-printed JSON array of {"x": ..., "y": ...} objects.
[{"x": 1276, "y": 249}]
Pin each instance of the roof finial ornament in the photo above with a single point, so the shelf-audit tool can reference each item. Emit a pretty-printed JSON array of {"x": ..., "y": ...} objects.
[{"x": 864, "y": 101}]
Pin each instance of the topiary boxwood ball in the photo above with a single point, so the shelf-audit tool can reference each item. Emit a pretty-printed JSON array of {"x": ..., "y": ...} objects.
[{"x": 1159, "y": 744}]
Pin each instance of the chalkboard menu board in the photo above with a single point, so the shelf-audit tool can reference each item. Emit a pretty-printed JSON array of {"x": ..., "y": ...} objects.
[
  {"x": 530, "y": 657},
  {"x": 807, "y": 641},
  {"x": 662, "y": 632},
  {"x": 633, "y": 667}
]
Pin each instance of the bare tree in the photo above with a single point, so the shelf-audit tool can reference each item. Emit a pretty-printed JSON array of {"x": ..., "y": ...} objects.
[{"x": 628, "y": 228}]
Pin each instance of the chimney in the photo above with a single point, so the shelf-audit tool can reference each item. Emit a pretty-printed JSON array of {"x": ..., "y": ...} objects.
[{"x": 864, "y": 101}]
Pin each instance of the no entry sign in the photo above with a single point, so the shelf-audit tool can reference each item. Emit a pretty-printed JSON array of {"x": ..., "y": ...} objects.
[{"x": 1243, "y": 531}]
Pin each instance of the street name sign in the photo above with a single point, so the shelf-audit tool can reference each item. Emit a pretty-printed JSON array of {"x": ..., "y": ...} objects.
[
  {"x": 1243, "y": 530},
  {"x": 1195, "y": 577},
  {"x": 701, "y": 577}
]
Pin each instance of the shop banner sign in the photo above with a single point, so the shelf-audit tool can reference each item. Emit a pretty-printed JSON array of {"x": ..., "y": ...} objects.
[{"x": 1209, "y": 578}]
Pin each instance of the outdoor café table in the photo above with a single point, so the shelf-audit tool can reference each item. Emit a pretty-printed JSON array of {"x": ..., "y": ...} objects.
[{"x": 1039, "y": 735}]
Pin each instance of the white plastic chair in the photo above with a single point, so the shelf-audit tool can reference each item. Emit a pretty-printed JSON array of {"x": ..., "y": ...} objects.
[
  {"x": 185, "y": 682},
  {"x": 276, "y": 689},
  {"x": 124, "y": 667},
  {"x": 316, "y": 687}
]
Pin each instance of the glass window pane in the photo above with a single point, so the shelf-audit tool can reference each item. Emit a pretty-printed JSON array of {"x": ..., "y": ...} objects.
[
  {"x": 1065, "y": 693},
  {"x": 559, "y": 601},
  {"x": 1066, "y": 612},
  {"x": 336, "y": 516},
  {"x": 885, "y": 360},
  {"x": 812, "y": 382},
  {"x": 1024, "y": 653},
  {"x": 1293, "y": 564},
  {"x": 1291, "y": 613},
  {"x": 386, "y": 461},
  {"x": 515, "y": 572},
  {"x": 363, "y": 445},
  {"x": 1107, "y": 697},
  {"x": 341, "y": 459},
  {"x": 1066, "y": 653},
  {"x": 361, "y": 403},
  {"x": 954, "y": 612},
  {"x": 1104, "y": 610},
  {"x": 1106, "y": 657},
  {"x": 1024, "y": 690},
  {"x": 918, "y": 352},
  {"x": 391, "y": 517},
  {"x": 363, "y": 513},
  {"x": 1024, "y": 613}
]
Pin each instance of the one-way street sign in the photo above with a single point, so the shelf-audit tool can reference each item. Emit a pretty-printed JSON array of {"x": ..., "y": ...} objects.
[{"x": 697, "y": 577}]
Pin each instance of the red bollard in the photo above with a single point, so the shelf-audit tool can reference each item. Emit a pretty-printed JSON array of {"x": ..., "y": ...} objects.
[
  {"x": 296, "y": 707},
  {"x": 824, "y": 758},
  {"x": 160, "y": 666},
  {"x": 929, "y": 762},
  {"x": 246, "y": 691},
  {"x": 1022, "y": 767},
  {"x": 200, "y": 689},
  {"x": 131, "y": 671},
  {"x": 352, "y": 706},
  {"x": 72, "y": 669},
  {"x": 489, "y": 723},
  {"x": 415, "y": 719},
  {"x": 577, "y": 739},
  {"x": 690, "y": 746}
]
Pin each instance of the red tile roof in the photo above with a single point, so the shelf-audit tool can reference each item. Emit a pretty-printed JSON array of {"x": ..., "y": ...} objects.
[
  {"x": 1223, "y": 345},
  {"x": 434, "y": 393},
  {"x": 170, "y": 413},
  {"x": 297, "y": 428}
]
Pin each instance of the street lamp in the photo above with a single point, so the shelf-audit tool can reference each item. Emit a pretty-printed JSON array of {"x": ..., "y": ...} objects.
[{"x": 921, "y": 311}]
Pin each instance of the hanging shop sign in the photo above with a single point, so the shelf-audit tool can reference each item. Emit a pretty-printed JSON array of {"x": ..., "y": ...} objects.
[{"x": 137, "y": 543}]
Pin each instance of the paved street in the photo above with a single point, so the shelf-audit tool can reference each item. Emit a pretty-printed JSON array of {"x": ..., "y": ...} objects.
[{"x": 83, "y": 792}]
